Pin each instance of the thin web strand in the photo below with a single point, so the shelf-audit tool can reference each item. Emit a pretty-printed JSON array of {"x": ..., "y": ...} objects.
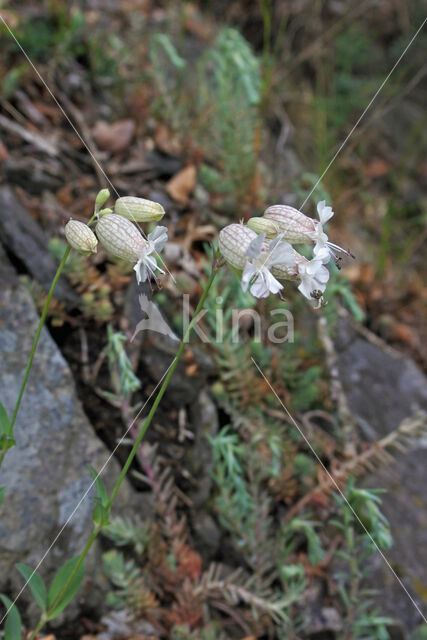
[
  {"x": 336, "y": 485},
  {"x": 70, "y": 122}
]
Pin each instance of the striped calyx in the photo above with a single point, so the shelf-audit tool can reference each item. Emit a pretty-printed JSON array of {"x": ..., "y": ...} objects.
[
  {"x": 80, "y": 237},
  {"x": 296, "y": 227},
  {"x": 289, "y": 272},
  {"x": 234, "y": 241},
  {"x": 120, "y": 238},
  {"x": 138, "y": 209}
]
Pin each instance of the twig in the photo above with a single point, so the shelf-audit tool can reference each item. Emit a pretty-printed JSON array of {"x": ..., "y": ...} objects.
[
  {"x": 401, "y": 439},
  {"x": 29, "y": 136}
]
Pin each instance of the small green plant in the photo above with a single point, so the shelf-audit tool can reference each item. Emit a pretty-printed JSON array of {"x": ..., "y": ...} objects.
[
  {"x": 63, "y": 36},
  {"x": 363, "y": 526},
  {"x": 222, "y": 115}
]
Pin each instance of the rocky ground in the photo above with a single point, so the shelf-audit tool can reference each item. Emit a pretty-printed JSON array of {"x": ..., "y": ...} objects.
[{"x": 372, "y": 382}]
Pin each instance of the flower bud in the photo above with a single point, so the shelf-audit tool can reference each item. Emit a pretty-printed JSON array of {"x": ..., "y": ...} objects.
[
  {"x": 80, "y": 237},
  {"x": 263, "y": 225},
  {"x": 120, "y": 238},
  {"x": 234, "y": 241},
  {"x": 102, "y": 198},
  {"x": 296, "y": 227},
  {"x": 139, "y": 209}
]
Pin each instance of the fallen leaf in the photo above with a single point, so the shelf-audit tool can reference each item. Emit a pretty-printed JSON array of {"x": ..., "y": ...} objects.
[
  {"x": 166, "y": 141},
  {"x": 377, "y": 168},
  {"x": 191, "y": 370},
  {"x": 113, "y": 137},
  {"x": 181, "y": 186}
]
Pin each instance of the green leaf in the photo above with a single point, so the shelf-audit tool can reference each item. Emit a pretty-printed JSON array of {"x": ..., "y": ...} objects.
[
  {"x": 4, "y": 421},
  {"x": 12, "y": 628},
  {"x": 101, "y": 491},
  {"x": 6, "y": 442},
  {"x": 101, "y": 516},
  {"x": 36, "y": 584},
  {"x": 59, "y": 581}
]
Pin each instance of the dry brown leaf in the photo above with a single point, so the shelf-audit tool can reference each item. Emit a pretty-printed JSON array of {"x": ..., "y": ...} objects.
[
  {"x": 192, "y": 370},
  {"x": 166, "y": 141},
  {"x": 181, "y": 186},
  {"x": 113, "y": 137},
  {"x": 376, "y": 168}
]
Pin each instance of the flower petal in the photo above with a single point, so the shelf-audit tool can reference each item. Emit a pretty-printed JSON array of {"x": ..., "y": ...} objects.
[
  {"x": 281, "y": 253},
  {"x": 248, "y": 273},
  {"x": 141, "y": 271},
  {"x": 274, "y": 285},
  {"x": 325, "y": 212},
  {"x": 255, "y": 246},
  {"x": 158, "y": 238},
  {"x": 306, "y": 288}
]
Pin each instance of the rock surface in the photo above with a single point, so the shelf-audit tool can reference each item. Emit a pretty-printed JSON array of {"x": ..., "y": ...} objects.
[
  {"x": 383, "y": 388},
  {"x": 23, "y": 237},
  {"x": 46, "y": 475}
]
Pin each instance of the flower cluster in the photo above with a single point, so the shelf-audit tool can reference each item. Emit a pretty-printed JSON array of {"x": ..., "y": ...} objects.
[
  {"x": 119, "y": 236},
  {"x": 261, "y": 252}
]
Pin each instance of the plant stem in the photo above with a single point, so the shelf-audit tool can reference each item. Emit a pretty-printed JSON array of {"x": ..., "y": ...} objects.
[
  {"x": 34, "y": 345},
  {"x": 45, "y": 616},
  {"x": 163, "y": 388},
  {"x": 37, "y": 336},
  {"x": 135, "y": 447}
]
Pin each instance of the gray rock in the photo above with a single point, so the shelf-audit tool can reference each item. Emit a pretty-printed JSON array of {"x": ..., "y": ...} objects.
[
  {"x": 384, "y": 387},
  {"x": 23, "y": 237},
  {"x": 199, "y": 458},
  {"x": 46, "y": 475},
  {"x": 207, "y": 536}
]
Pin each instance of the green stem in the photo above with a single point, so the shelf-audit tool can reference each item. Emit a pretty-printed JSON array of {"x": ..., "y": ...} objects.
[
  {"x": 163, "y": 388},
  {"x": 34, "y": 345},
  {"x": 45, "y": 616},
  {"x": 135, "y": 447},
  {"x": 39, "y": 626}
]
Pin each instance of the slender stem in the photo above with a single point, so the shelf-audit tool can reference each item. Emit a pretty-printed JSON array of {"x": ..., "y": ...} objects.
[
  {"x": 45, "y": 616},
  {"x": 135, "y": 447},
  {"x": 34, "y": 345},
  {"x": 37, "y": 336},
  {"x": 39, "y": 626},
  {"x": 163, "y": 388}
]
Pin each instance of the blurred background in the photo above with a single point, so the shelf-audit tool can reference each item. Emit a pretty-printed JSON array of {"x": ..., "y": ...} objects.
[{"x": 230, "y": 527}]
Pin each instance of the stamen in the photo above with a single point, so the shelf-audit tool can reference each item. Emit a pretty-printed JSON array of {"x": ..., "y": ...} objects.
[{"x": 338, "y": 248}]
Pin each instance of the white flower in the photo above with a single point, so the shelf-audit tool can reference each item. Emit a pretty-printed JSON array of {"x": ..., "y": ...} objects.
[
  {"x": 320, "y": 238},
  {"x": 123, "y": 240},
  {"x": 147, "y": 263},
  {"x": 313, "y": 276},
  {"x": 260, "y": 258}
]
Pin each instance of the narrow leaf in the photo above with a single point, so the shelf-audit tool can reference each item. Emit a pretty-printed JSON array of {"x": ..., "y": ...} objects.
[
  {"x": 36, "y": 584},
  {"x": 4, "y": 421},
  {"x": 12, "y": 628},
  {"x": 101, "y": 491},
  {"x": 56, "y": 595}
]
